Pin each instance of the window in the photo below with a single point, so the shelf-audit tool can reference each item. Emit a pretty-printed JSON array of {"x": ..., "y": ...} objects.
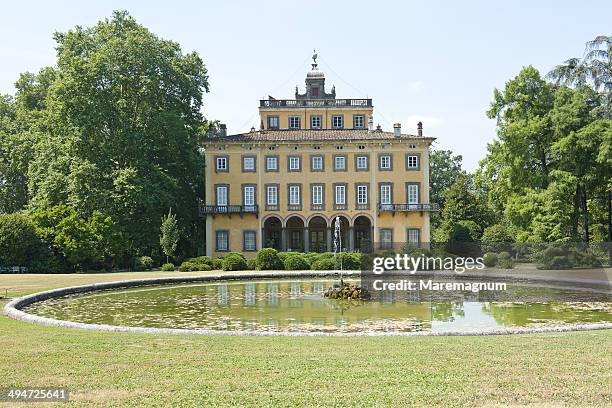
[
  {"x": 413, "y": 193},
  {"x": 315, "y": 122},
  {"x": 386, "y": 238},
  {"x": 272, "y": 163},
  {"x": 221, "y": 195},
  {"x": 362, "y": 195},
  {"x": 316, "y": 163},
  {"x": 248, "y": 163},
  {"x": 294, "y": 122},
  {"x": 339, "y": 163},
  {"x": 337, "y": 121},
  {"x": 314, "y": 91},
  {"x": 385, "y": 162},
  {"x": 294, "y": 163},
  {"x": 359, "y": 121},
  {"x": 222, "y": 163},
  {"x": 249, "y": 241},
  {"x": 271, "y": 196},
  {"x": 385, "y": 195},
  {"x": 273, "y": 122},
  {"x": 248, "y": 197},
  {"x": 361, "y": 163},
  {"x": 317, "y": 196},
  {"x": 294, "y": 196},
  {"x": 412, "y": 162},
  {"x": 414, "y": 236},
  {"x": 222, "y": 240},
  {"x": 340, "y": 195}
]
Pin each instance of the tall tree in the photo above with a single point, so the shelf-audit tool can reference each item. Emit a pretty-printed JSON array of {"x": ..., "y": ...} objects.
[
  {"x": 594, "y": 68},
  {"x": 169, "y": 234},
  {"x": 444, "y": 169},
  {"x": 122, "y": 120}
]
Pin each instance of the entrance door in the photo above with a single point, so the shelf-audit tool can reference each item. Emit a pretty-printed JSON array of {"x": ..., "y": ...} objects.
[{"x": 317, "y": 241}]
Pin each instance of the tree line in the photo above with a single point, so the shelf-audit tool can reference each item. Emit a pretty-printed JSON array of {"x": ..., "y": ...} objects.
[
  {"x": 97, "y": 148},
  {"x": 547, "y": 176}
]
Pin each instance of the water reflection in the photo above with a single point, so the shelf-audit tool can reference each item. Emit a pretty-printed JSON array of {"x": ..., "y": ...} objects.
[{"x": 298, "y": 305}]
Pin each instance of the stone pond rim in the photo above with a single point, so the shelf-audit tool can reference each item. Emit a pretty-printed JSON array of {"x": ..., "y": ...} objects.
[{"x": 13, "y": 308}]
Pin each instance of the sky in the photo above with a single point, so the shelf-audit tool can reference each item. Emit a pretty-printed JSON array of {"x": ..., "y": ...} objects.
[{"x": 437, "y": 62}]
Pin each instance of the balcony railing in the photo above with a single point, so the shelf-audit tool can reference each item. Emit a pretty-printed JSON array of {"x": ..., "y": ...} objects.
[
  {"x": 228, "y": 209},
  {"x": 314, "y": 103},
  {"x": 408, "y": 207}
]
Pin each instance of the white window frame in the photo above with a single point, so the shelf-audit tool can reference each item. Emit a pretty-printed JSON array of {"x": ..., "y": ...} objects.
[
  {"x": 250, "y": 240},
  {"x": 225, "y": 242},
  {"x": 385, "y": 194},
  {"x": 248, "y": 199},
  {"x": 386, "y": 241},
  {"x": 413, "y": 194},
  {"x": 317, "y": 194},
  {"x": 272, "y": 159},
  {"x": 342, "y": 160},
  {"x": 294, "y": 195},
  {"x": 386, "y": 159},
  {"x": 358, "y": 118},
  {"x": 340, "y": 194},
  {"x": 317, "y": 118},
  {"x": 362, "y": 194},
  {"x": 364, "y": 165},
  {"x": 337, "y": 121},
  {"x": 294, "y": 163},
  {"x": 318, "y": 159},
  {"x": 293, "y": 125},
  {"x": 221, "y": 198},
  {"x": 411, "y": 238},
  {"x": 219, "y": 167},
  {"x": 413, "y": 161},
  {"x": 272, "y": 119},
  {"x": 271, "y": 193},
  {"x": 251, "y": 161}
]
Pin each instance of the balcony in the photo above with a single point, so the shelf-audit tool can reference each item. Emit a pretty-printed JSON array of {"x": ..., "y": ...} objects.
[
  {"x": 429, "y": 207},
  {"x": 315, "y": 103},
  {"x": 228, "y": 209}
]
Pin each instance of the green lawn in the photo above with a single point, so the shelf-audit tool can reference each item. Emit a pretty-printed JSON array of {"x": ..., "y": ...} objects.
[{"x": 116, "y": 369}]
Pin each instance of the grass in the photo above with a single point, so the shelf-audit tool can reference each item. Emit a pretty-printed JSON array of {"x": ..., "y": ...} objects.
[{"x": 122, "y": 369}]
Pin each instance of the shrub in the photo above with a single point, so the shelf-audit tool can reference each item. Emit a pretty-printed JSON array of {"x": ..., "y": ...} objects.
[
  {"x": 20, "y": 245},
  {"x": 490, "y": 259},
  {"x": 324, "y": 264},
  {"x": 167, "y": 267},
  {"x": 234, "y": 262},
  {"x": 559, "y": 262},
  {"x": 268, "y": 259},
  {"x": 201, "y": 260},
  {"x": 252, "y": 264},
  {"x": 498, "y": 237},
  {"x": 504, "y": 260},
  {"x": 191, "y": 267},
  {"x": 144, "y": 263},
  {"x": 296, "y": 262},
  {"x": 350, "y": 260},
  {"x": 217, "y": 263}
]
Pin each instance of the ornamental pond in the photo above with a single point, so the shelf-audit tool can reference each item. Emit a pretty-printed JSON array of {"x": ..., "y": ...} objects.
[{"x": 298, "y": 305}]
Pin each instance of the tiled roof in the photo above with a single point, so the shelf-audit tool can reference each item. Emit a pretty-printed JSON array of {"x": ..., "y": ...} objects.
[{"x": 314, "y": 135}]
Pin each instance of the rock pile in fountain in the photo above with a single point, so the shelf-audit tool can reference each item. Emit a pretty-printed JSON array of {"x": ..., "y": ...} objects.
[{"x": 346, "y": 291}]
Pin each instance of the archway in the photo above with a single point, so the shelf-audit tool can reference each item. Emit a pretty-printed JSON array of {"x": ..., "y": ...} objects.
[
  {"x": 362, "y": 229},
  {"x": 295, "y": 234},
  {"x": 272, "y": 233},
  {"x": 317, "y": 231}
]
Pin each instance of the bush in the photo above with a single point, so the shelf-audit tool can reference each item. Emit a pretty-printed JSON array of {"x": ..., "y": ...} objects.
[
  {"x": 268, "y": 259},
  {"x": 296, "y": 262},
  {"x": 559, "y": 262},
  {"x": 490, "y": 259},
  {"x": 201, "y": 260},
  {"x": 144, "y": 263},
  {"x": 20, "y": 244},
  {"x": 191, "y": 267},
  {"x": 323, "y": 264},
  {"x": 350, "y": 260},
  {"x": 167, "y": 267},
  {"x": 217, "y": 263},
  {"x": 505, "y": 261},
  {"x": 498, "y": 237},
  {"x": 252, "y": 264},
  {"x": 234, "y": 262}
]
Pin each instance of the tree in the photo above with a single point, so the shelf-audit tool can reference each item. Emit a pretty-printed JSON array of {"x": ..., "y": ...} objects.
[
  {"x": 170, "y": 234},
  {"x": 594, "y": 68},
  {"x": 19, "y": 243},
  {"x": 121, "y": 118},
  {"x": 444, "y": 169}
]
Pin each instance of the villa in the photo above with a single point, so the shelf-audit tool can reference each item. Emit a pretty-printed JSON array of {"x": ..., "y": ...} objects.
[{"x": 315, "y": 158}]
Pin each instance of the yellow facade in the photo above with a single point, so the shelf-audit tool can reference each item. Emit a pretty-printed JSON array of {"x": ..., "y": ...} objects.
[{"x": 376, "y": 182}]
